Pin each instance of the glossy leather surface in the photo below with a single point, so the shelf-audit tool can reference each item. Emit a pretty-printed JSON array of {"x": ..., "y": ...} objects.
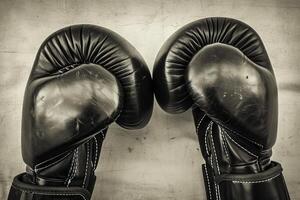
[
  {"x": 273, "y": 190},
  {"x": 83, "y": 79},
  {"x": 235, "y": 92},
  {"x": 37, "y": 192},
  {"x": 220, "y": 68},
  {"x": 269, "y": 184},
  {"x": 84, "y": 44},
  {"x": 177, "y": 52},
  {"x": 67, "y": 108}
]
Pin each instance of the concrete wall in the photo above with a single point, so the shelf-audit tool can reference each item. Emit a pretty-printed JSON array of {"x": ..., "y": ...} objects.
[{"x": 161, "y": 161}]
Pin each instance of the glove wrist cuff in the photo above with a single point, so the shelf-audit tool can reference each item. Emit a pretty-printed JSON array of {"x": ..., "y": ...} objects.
[
  {"x": 268, "y": 184},
  {"x": 26, "y": 191}
]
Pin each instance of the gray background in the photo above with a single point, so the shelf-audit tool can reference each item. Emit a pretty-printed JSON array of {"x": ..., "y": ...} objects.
[{"x": 161, "y": 161}]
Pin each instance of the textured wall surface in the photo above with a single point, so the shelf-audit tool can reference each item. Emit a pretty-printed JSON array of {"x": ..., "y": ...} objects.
[{"x": 161, "y": 161}]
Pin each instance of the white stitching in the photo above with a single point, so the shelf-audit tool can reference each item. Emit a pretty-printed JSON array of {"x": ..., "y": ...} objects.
[
  {"x": 218, "y": 169},
  {"x": 198, "y": 126},
  {"x": 75, "y": 168},
  {"x": 250, "y": 153},
  {"x": 71, "y": 167},
  {"x": 96, "y": 155},
  {"x": 209, "y": 127},
  {"x": 49, "y": 194},
  {"x": 223, "y": 143},
  {"x": 36, "y": 168},
  {"x": 207, "y": 177},
  {"x": 87, "y": 162},
  {"x": 205, "y": 138},
  {"x": 262, "y": 181},
  {"x": 217, "y": 191},
  {"x": 103, "y": 136},
  {"x": 260, "y": 145},
  {"x": 214, "y": 149}
]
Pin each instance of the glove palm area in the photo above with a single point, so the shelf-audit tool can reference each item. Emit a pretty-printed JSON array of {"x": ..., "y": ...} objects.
[{"x": 84, "y": 78}]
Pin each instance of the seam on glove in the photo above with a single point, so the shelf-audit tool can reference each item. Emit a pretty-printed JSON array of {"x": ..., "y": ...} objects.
[
  {"x": 71, "y": 167},
  {"x": 246, "y": 138},
  {"x": 103, "y": 136},
  {"x": 208, "y": 182},
  {"x": 270, "y": 173},
  {"x": 87, "y": 162},
  {"x": 217, "y": 163},
  {"x": 96, "y": 154},
  {"x": 205, "y": 139},
  {"x": 240, "y": 146},
  {"x": 223, "y": 143},
  {"x": 36, "y": 168},
  {"x": 42, "y": 193},
  {"x": 198, "y": 126},
  {"x": 211, "y": 158},
  {"x": 262, "y": 181},
  {"x": 213, "y": 146},
  {"x": 75, "y": 168}
]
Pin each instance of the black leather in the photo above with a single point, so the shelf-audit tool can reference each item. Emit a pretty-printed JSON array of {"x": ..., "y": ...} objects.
[
  {"x": 235, "y": 92},
  {"x": 220, "y": 68},
  {"x": 268, "y": 184},
  {"x": 84, "y": 78},
  {"x": 23, "y": 191},
  {"x": 176, "y": 53}
]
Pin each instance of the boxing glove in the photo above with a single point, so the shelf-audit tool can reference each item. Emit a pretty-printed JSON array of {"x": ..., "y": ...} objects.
[
  {"x": 220, "y": 68},
  {"x": 84, "y": 78}
]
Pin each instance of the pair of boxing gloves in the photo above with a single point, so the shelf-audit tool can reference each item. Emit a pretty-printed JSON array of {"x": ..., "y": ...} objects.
[{"x": 86, "y": 77}]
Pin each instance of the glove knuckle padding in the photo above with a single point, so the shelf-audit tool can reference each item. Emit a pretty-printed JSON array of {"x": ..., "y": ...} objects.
[
  {"x": 221, "y": 68},
  {"x": 84, "y": 77},
  {"x": 220, "y": 65}
]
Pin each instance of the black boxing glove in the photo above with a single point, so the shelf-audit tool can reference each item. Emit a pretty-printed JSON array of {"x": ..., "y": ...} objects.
[
  {"x": 220, "y": 68},
  {"x": 84, "y": 78}
]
